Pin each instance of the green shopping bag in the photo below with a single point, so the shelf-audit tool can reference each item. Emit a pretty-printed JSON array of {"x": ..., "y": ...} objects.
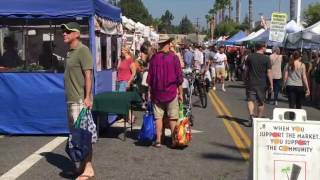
[{"x": 83, "y": 113}]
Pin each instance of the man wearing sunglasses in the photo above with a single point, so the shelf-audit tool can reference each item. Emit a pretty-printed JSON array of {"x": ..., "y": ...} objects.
[{"x": 78, "y": 83}]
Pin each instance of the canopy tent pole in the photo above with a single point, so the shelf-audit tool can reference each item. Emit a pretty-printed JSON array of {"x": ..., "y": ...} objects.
[
  {"x": 92, "y": 44},
  {"x": 50, "y": 38}
]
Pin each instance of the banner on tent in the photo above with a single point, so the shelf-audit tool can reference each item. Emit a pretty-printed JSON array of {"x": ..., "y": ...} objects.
[{"x": 277, "y": 27}]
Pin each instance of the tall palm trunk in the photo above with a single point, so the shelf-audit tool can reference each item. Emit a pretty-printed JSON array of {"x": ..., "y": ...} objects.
[
  {"x": 238, "y": 11},
  {"x": 293, "y": 9},
  {"x": 229, "y": 11},
  {"x": 222, "y": 14},
  {"x": 250, "y": 14}
]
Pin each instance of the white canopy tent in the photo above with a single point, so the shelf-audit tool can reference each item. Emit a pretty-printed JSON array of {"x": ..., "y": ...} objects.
[
  {"x": 292, "y": 27},
  {"x": 307, "y": 38}
]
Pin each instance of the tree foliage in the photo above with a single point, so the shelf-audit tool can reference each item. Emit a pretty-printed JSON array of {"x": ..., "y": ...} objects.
[
  {"x": 226, "y": 28},
  {"x": 166, "y": 22},
  {"x": 135, "y": 9},
  {"x": 186, "y": 26},
  {"x": 312, "y": 14}
]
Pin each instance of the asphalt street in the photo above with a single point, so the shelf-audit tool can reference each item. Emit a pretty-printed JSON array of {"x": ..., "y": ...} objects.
[{"x": 219, "y": 149}]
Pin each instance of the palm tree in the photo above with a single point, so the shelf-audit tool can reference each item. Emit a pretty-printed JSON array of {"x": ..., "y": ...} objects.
[
  {"x": 250, "y": 14},
  {"x": 293, "y": 9},
  {"x": 238, "y": 11},
  {"x": 229, "y": 5}
]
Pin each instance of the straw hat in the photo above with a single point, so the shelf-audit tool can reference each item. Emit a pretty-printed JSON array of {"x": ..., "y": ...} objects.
[{"x": 165, "y": 39}]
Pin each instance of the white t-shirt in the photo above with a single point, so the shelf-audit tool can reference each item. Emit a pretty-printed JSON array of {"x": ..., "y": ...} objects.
[
  {"x": 219, "y": 60},
  {"x": 198, "y": 56}
]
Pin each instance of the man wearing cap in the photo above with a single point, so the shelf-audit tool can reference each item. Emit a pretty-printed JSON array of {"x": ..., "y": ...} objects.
[
  {"x": 165, "y": 80},
  {"x": 78, "y": 82}
]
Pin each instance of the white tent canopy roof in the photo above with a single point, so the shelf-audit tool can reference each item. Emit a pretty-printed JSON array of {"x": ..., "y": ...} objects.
[
  {"x": 293, "y": 27},
  {"x": 310, "y": 35},
  {"x": 251, "y": 36}
]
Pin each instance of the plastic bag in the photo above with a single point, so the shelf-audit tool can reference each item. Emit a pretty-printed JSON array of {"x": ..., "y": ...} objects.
[
  {"x": 148, "y": 131},
  {"x": 182, "y": 132}
]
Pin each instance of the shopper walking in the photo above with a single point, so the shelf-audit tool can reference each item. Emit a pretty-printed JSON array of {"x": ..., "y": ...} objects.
[
  {"x": 221, "y": 64},
  {"x": 315, "y": 79},
  {"x": 165, "y": 80},
  {"x": 78, "y": 84},
  {"x": 188, "y": 57},
  {"x": 295, "y": 81},
  {"x": 276, "y": 64},
  {"x": 258, "y": 71}
]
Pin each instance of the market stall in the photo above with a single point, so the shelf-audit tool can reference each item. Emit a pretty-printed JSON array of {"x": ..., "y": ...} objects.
[
  {"x": 33, "y": 100},
  {"x": 232, "y": 40},
  {"x": 309, "y": 38}
]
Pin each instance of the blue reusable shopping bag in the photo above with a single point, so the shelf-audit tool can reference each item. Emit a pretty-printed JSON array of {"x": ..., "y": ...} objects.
[
  {"x": 148, "y": 131},
  {"x": 79, "y": 142}
]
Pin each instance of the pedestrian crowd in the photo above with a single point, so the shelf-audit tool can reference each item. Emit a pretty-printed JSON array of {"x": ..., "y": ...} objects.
[{"x": 155, "y": 72}]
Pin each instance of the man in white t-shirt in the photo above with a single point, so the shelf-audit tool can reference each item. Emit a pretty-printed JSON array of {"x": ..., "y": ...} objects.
[
  {"x": 198, "y": 58},
  {"x": 220, "y": 61}
]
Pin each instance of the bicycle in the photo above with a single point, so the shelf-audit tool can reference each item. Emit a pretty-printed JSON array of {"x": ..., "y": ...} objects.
[{"x": 194, "y": 84}]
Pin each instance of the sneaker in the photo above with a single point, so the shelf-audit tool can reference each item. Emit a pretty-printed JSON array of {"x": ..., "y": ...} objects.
[
  {"x": 276, "y": 103},
  {"x": 214, "y": 88},
  {"x": 223, "y": 89}
]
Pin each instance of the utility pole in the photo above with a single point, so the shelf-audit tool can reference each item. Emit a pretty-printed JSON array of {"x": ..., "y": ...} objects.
[{"x": 212, "y": 26}]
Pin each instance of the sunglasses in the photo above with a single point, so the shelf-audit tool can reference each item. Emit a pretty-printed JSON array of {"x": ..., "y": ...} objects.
[{"x": 67, "y": 31}]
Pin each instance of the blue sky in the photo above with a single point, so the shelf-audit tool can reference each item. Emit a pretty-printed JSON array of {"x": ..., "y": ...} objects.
[{"x": 199, "y": 8}]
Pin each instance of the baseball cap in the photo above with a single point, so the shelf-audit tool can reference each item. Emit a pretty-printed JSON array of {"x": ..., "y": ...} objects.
[{"x": 71, "y": 26}]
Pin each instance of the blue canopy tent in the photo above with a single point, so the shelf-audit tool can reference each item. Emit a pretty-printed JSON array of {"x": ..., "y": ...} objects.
[
  {"x": 34, "y": 103},
  {"x": 234, "y": 38},
  {"x": 264, "y": 37}
]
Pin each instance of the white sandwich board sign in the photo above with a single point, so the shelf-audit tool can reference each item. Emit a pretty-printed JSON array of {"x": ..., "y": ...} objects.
[{"x": 286, "y": 149}]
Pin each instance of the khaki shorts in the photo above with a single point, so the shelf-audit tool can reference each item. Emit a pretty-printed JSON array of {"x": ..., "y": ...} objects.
[
  {"x": 74, "y": 110},
  {"x": 220, "y": 72},
  {"x": 169, "y": 110}
]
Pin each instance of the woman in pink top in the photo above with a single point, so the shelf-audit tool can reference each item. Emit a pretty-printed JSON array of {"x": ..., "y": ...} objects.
[
  {"x": 126, "y": 74},
  {"x": 126, "y": 70}
]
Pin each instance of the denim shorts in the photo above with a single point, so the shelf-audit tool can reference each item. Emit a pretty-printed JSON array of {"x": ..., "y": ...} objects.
[{"x": 122, "y": 86}]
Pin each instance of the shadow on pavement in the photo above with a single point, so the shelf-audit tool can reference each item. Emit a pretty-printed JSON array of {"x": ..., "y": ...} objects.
[
  {"x": 117, "y": 133},
  {"x": 236, "y": 86},
  {"x": 217, "y": 156},
  {"x": 230, "y": 147},
  {"x": 238, "y": 120},
  {"x": 63, "y": 163}
]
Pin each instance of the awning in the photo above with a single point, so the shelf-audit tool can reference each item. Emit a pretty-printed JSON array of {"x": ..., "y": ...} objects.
[{"x": 59, "y": 9}]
